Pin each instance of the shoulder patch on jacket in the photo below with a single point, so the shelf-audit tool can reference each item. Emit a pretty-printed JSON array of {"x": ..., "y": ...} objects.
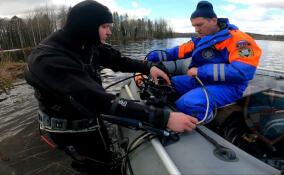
[
  {"x": 242, "y": 43},
  {"x": 245, "y": 52}
]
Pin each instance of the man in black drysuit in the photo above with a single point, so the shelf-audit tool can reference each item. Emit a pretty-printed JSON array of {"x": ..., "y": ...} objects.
[{"x": 65, "y": 72}]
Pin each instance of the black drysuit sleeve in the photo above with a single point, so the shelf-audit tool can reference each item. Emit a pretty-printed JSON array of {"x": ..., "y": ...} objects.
[
  {"x": 111, "y": 58},
  {"x": 66, "y": 76}
]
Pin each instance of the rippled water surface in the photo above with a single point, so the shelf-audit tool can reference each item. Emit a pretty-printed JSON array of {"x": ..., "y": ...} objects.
[
  {"x": 272, "y": 54},
  {"x": 17, "y": 111}
]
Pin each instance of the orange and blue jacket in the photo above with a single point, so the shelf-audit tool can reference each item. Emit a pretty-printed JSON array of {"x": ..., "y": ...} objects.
[{"x": 229, "y": 56}]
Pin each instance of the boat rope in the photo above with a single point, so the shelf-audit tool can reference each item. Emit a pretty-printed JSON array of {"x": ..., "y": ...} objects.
[{"x": 220, "y": 151}]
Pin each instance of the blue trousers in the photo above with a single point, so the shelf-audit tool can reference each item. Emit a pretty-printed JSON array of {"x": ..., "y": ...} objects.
[{"x": 193, "y": 99}]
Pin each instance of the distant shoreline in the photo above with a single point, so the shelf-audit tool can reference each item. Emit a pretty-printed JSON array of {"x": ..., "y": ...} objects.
[
  {"x": 175, "y": 35},
  {"x": 253, "y": 35}
]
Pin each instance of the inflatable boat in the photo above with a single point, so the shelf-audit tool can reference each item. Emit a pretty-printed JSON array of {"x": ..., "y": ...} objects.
[{"x": 246, "y": 137}]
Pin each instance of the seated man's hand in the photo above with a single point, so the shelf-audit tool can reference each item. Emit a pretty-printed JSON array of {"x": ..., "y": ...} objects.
[
  {"x": 156, "y": 72},
  {"x": 180, "y": 122},
  {"x": 192, "y": 72}
]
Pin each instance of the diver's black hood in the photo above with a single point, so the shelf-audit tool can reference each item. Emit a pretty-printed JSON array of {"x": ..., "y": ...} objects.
[{"x": 84, "y": 19}]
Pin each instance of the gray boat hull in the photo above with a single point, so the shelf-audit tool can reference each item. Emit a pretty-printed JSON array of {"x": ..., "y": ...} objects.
[{"x": 192, "y": 154}]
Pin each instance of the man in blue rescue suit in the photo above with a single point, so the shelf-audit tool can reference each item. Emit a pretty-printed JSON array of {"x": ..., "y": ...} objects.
[
  {"x": 223, "y": 58},
  {"x": 64, "y": 70}
]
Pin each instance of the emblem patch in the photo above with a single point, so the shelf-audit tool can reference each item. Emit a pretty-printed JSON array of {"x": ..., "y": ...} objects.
[
  {"x": 208, "y": 53},
  {"x": 245, "y": 52},
  {"x": 242, "y": 43}
]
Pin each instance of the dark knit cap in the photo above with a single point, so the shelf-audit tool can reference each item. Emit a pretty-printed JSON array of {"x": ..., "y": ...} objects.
[
  {"x": 204, "y": 9},
  {"x": 84, "y": 19}
]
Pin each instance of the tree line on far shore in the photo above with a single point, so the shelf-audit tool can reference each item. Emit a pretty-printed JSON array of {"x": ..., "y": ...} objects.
[
  {"x": 267, "y": 37},
  {"x": 29, "y": 31}
]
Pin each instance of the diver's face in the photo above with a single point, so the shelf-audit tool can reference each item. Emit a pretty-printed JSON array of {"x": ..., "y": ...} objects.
[
  {"x": 104, "y": 32},
  {"x": 205, "y": 26}
]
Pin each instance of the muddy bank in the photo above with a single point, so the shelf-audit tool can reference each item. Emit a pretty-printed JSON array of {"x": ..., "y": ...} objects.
[
  {"x": 21, "y": 149},
  {"x": 9, "y": 73}
]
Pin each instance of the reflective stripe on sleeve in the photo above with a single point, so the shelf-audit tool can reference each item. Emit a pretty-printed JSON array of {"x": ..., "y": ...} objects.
[
  {"x": 165, "y": 56},
  {"x": 215, "y": 72},
  {"x": 160, "y": 56},
  {"x": 222, "y": 72}
]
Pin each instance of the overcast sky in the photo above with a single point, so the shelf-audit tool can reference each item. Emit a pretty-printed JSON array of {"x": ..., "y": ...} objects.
[{"x": 257, "y": 16}]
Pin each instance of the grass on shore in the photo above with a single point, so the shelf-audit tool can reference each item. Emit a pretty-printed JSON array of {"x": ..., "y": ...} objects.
[{"x": 9, "y": 73}]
